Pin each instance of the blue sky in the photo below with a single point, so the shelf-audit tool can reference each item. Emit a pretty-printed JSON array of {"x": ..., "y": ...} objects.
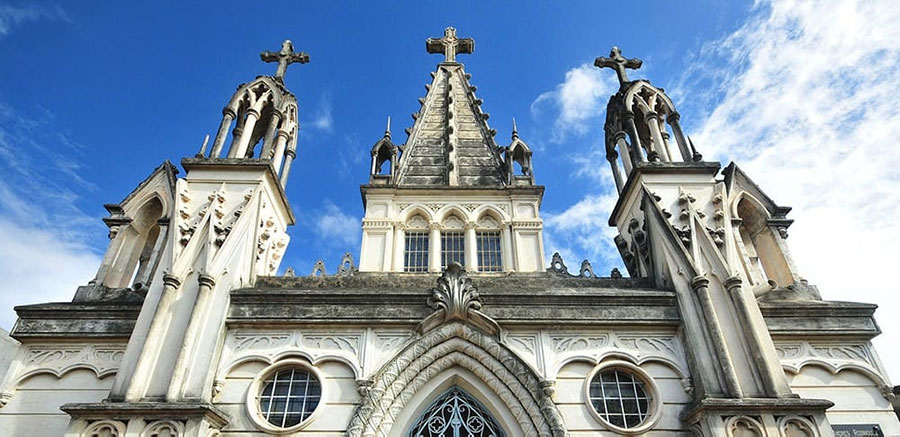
[{"x": 94, "y": 95}]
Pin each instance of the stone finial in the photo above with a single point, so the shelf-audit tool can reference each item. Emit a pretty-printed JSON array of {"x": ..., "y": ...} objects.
[
  {"x": 286, "y": 56},
  {"x": 387, "y": 130},
  {"x": 450, "y": 45},
  {"x": 515, "y": 131},
  {"x": 318, "y": 269},
  {"x": 618, "y": 63}
]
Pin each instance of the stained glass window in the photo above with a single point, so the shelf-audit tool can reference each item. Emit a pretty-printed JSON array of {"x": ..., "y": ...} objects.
[
  {"x": 456, "y": 414},
  {"x": 620, "y": 398},
  {"x": 289, "y": 396}
]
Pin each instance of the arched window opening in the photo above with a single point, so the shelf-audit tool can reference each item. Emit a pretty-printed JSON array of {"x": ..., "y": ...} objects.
[
  {"x": 456, "y": 414},
  {"x": 415, "y": 255},
  {"x": 453, "y": 242},
  {"x": 143, "y": 247},
  {"x": 521, "y": 161},
  {"x": 764, "y": 260},
  {"x": 488, "y": 250}
]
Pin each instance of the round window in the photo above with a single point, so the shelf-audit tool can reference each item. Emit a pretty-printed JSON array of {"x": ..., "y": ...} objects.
[
  {"x": 622, "y": 396},
  {"x": 288, "y": 396}
]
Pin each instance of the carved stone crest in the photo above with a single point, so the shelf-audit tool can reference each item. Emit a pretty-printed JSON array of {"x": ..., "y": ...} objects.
[{"x": 456, "y": 298}]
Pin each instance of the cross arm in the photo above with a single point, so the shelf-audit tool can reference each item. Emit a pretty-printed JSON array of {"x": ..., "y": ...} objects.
[
  {"x": 300, "y": 58},
  {"x": 465, "y": 45},
  {"x": 268, "y": 56},
  {"x": 434, "y": 45}
]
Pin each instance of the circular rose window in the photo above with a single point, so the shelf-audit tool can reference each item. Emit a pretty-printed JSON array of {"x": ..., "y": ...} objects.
[
  {"x": 285, "y": 397},
  {"x": 623, "y": 397}
]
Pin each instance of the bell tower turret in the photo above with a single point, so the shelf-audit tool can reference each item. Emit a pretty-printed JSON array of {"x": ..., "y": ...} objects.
[
  {"x": 194, "y": 239},
  {"x": 719, "y": 243}
]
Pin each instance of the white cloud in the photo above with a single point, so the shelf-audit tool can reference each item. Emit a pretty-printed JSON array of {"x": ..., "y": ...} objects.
[
  {"x": 578, "y": 99},
  {"x": 582, "y": 231},
  {"x": 44, "y": 251},
  {"x": 12, "y": 16},
  {"x": 334, "y": 225},
  {"x": 322, "y": 117},
  {"x": 805, "y": 102},
  {"x": 38, "y": 266}
]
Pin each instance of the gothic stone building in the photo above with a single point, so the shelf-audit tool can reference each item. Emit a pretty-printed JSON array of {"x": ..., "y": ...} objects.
[{"x": 451, "y": 325}]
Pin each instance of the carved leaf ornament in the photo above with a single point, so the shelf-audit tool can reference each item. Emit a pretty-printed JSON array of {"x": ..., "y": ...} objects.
[{"x": 456, "y": 298}]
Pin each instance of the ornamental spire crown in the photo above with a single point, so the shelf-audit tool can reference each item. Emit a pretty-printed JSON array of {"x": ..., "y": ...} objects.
[{"x": 260, "y": 123}]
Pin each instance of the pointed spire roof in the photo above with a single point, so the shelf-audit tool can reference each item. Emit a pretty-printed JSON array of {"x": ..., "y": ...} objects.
[{"x": 450, "y": 143}]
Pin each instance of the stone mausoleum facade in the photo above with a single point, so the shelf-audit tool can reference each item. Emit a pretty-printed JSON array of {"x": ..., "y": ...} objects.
[{"x": 451, "y": 324}]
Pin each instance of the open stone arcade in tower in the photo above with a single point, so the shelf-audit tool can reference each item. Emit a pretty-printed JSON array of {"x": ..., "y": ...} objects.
[{"x": 451, "y": 325}]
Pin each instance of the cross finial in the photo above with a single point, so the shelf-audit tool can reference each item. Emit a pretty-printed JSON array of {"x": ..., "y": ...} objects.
[
  {"x": 285, "y": 57},
  {"x": 619, "y": 63},
  {"x": 450, "y": 45}
]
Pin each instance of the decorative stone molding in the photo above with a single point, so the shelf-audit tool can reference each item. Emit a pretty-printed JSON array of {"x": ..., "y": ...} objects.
[
  {"x": 833, "y": 356},
  {"x": 457, "y": 298},
  {"x": 549, "y": 351},
  {"x": 105, "y": 428},
  {"x": 359, "y": 349},
  {"x": 446, "y": 346},
  {"x": 164, "y": 428},
  {"x": 793, "y": 426},
  {"x": 58, "y": 360},
  {"x": 741, "y": 426}
]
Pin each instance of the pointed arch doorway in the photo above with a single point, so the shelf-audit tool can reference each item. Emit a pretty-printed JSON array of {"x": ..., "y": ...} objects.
[{"x": 456, "y": 414}]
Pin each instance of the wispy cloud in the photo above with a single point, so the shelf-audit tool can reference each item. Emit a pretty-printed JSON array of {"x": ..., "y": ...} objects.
[
  {"x": 45, "y": 251},
  {"x": 12, "y": 17},
  {"x": 321, "y": 118},
  {"x": 333, "y": 225},
  {"x": 582, "y": 231},
  {"x": 804, "y": 99},
  {"x": 575, "y": 101}
]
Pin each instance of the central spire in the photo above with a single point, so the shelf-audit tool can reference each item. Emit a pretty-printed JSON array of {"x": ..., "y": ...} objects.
[{"x": 450, "y": 45}]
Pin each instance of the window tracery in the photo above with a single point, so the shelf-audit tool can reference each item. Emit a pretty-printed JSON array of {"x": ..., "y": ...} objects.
[{"x": 456, "y": 414}]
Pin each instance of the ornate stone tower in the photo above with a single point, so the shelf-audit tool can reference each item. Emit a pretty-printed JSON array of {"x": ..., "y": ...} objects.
[
  {"x": 718, "y": 243},
  {"x": 451, "y": 193},
  {"x": 186, "y": 243}
]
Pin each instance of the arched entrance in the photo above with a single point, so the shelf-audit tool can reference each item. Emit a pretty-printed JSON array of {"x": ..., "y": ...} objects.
[{"x": 454, "y": 414}]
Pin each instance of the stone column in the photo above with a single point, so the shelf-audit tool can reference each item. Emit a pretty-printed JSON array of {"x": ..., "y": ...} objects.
[
  {"x": 115, "y": 244},
  {"x": 656, "y": 141},
  {"x": 636, "y": 154},
  {"x": 178, "y": 384},
  {"x": 280, "y": 144},
  {"x": 227, "y": 117},
  {"x": 434, "y": 247},
  {"x": 239, "y": 147},
  {"x": 612, "y": 157},
  {"x": 700, "y": 285},
  {"x": 471, "y": 247},
  {"x": 773, "y": 384},
  {"x": 269, "y": 139},
  {"x": 509, "y": 259},
  {"x": 623, "y": 150},
  {"x": 155, "y": 337},
  {"x": 399, "y": 246},
  {"x": 289, "y": 158},
  {"x": 673, "y": 120}
]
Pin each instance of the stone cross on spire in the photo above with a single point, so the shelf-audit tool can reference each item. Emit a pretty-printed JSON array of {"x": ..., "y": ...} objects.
[
  {"x": 619, "y": 63},
  {"x": 284, "y": 58},
  {"x": 450, "y": 45}
]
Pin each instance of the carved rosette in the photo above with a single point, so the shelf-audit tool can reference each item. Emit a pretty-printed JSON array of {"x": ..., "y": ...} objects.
[{"x": 457, "y": 298}]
